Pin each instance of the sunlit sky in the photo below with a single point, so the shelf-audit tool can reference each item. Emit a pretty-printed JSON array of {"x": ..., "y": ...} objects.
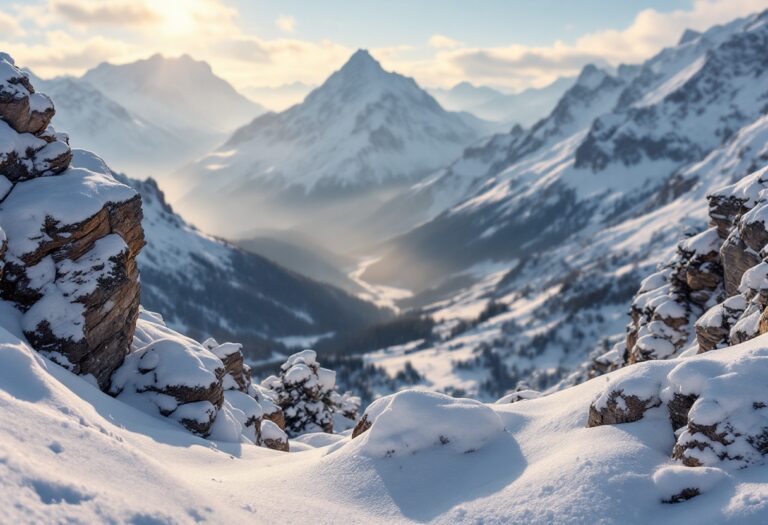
[{"x": 508, "y": 44}]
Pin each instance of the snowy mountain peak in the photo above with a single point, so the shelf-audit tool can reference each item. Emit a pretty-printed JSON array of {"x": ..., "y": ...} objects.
[
  {"x": 361, "y": 61},
  {"x": 360, "y": 69},
  {"x": 363, "y": 129},
  {"x": 363, "y": 79},
  {"x": 688, "y": 36},
  {"x": 181, "y": 93},
  {"x": 591, "y": 76}
]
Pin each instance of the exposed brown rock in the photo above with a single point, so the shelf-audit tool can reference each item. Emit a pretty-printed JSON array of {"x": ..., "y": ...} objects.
[
  {"x": 277, "y": 444},
  {"x": 98, "y": 290},
  {"x": 683, "y": 495},
  {"x": 737, "y": 258},
  {"x": 678, "y": 408},
  {"x": 277, "y": 417},
  {"x": 723, "y": 212},
  {"x": 240, "y": 372},
  {"x": 620, "y": 408}
]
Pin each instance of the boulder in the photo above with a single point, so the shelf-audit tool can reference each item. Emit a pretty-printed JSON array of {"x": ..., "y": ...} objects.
[
  {"x": 23, "y": 109},
  {"x": 714, "y": 327},
  {"x": 736, "y": 258},
  {"x": 273, "y": 436},
  {"x": 178, "y": 376},
  {"x": 237, "y": 374},
  {"x": 726, "y": 421},
  {"x": 619, "y": 407}
]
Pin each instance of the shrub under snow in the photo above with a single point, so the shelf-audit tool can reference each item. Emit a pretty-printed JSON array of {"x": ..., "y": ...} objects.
[
  {"x": 414, "y": 420},
  {"x": 307, "y": 394}
]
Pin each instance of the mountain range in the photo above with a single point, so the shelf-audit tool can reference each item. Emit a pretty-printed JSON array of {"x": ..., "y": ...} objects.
[
  {"x": 583, "y": 302},
  {"x": 150, "y": 116},
  {"x": 322, "y": 165},
  {"x": 551, "y": 229},
  {"x": 524, "y": 108}
]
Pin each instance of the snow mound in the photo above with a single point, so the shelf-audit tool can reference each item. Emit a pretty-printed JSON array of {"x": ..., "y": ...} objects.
[
  {"x": 415, "y": 420},
  {"x": 676, "y": 483}
]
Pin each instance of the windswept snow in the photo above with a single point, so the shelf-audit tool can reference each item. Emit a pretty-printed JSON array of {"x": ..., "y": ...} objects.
[{"x": 72, "y": 453}]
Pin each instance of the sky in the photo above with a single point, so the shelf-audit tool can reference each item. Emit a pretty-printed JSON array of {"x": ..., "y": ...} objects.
[{"x": 507, "y": 44}]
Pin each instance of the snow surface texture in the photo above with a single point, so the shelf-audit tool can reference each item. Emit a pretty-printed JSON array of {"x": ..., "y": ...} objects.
[{"x": 62, "y": 442}]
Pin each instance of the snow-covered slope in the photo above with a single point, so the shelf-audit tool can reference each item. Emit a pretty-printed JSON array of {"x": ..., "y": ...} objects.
[
  {"x": 557, "y": 250},
  {"x": 524, "y": 108},
  {"x": 610, "y": 143},
  {"x": 180, "y": 94},
  {"x": 325, "y": 161},
  {"x": 425, "y": 459},
  {"x": 206, "y": 287}
]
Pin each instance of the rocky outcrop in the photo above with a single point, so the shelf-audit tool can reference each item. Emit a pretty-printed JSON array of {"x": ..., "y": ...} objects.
[
  {"x": 69, "y": 265},
  {"x": 619, "y": 407},
  {"x": 73, "y": 238},
  {"x": 669, "y": 300},
  {"x": 362, "y": 426},
  {"x": 237, "y": 375},
  {"x": 713, "y": 292},
  {"x": 718, "y": 408},
  {"x": 205, "y": 387}
]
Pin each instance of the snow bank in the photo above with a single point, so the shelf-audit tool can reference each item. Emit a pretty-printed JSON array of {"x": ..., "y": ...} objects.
[
  {"x": 676, "y": 483},
  {"x": 414, "y": 420}
]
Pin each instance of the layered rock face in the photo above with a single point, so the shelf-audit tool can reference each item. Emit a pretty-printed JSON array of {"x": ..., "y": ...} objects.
[
  {"x": 205, "y": 387},
  {"x": 713, "y": 291},
  {"x": 711, "y": 296},
  {"x": 72, "y": 239}
]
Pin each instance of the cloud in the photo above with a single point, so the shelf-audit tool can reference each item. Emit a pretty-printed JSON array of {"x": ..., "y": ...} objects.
[
  {"x": 286, "y": 23},
  {"x": 112, "y": 12},
  {"x": 68, "y": 36},
  {"x": 61, "y": 53},
  {"x": 9, "y": 26},
  {"x": 522, "y": 61},
  {"x": 518, "y": 66},
  {"x": 443, "y": 42}
]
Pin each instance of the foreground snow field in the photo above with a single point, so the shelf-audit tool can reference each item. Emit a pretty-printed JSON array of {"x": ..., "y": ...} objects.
[{"x": 70, "y": 453}]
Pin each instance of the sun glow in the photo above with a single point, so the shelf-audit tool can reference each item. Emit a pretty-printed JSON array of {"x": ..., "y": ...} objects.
[{"x": 185, "y": 17}]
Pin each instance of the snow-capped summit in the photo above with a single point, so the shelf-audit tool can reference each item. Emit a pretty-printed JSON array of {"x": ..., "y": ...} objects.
[
  {"x": 98, "y": 123},
  {"x": 364, "y": 130},
  {"x": 177, "y": 93},
  {"x": 360, "y": 65},
  {"x": 688, "y": 36}
]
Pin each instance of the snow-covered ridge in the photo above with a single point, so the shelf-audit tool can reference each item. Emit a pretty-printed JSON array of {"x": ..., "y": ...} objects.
[{"x": 151, "y": 116}]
